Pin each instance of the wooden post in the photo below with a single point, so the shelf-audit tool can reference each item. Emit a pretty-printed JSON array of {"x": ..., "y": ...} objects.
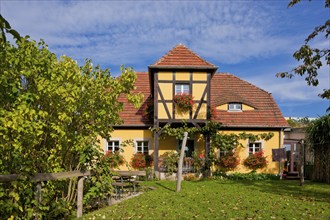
[
  {"x": 206, "y": 170},
  {"x": 80, "y": 196},
  {"x": 38, "y": 194},
  {"x": 302, "y": 164},
  {"x": 179, "y": 175},
  {"x": 156, "y": 143}
]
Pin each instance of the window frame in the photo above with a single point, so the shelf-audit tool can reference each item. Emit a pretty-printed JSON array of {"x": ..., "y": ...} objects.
[
  {"x": 235, "y": 109},
  {"x": 254, "y": 147},
  {"x": 143, "y": 150},
  {"x": 182, "y": 89},
  {"x": 107, "y": 145}
]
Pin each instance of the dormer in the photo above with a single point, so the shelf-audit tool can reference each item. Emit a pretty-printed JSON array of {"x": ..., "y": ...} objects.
[
  {"x": 181, "y": 71},
  {"x": 235, "y": 107}
]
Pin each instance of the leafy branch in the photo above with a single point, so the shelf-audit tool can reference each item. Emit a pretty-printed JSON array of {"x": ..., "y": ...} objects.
[{"x": 311, "y": 57}]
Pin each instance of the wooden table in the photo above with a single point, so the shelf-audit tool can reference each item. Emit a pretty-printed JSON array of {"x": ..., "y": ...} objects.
[{"x": 126, "y": 180}]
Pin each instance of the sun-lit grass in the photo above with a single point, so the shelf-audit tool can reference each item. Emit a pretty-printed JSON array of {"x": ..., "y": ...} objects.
[{"x": 224, "y": 199}]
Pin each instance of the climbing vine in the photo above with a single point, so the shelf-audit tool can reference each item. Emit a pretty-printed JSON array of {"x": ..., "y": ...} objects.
[{"x": 223, "y": 142}]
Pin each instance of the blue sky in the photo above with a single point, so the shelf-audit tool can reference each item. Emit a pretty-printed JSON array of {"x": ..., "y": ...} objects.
[{"x": 250, "y": 39}]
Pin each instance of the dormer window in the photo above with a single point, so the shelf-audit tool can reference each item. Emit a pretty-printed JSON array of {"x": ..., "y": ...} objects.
[
  {"x": 181, "y": 89},
  {"x": 235, "y": 107}
]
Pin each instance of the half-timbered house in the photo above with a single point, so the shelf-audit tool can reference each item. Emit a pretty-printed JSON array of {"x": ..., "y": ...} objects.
[{"x": 237, "y": 104}]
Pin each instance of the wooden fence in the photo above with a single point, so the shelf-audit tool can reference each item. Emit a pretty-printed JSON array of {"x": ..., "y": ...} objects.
[{"x": 40, "y": 177}]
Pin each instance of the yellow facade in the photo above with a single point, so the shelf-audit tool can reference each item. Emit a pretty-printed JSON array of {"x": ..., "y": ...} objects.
[
  {"x": 168, "y": 144},
  {"x": 166, "y": 89},
  {"x": 267, "y": 146}
]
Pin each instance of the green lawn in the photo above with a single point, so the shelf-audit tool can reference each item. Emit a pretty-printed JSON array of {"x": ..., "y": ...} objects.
[{"x": 224, "y": 199}]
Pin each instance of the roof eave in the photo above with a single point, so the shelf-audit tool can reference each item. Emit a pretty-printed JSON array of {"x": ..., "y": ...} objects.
[
  {"x": 254, "y": 126},
  {"x": 214, "y": 68}
]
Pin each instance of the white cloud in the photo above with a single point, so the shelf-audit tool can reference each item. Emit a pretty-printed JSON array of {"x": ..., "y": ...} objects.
[
  {"x": 237, "y": 31},
  {"x": 294, "y": 89}
]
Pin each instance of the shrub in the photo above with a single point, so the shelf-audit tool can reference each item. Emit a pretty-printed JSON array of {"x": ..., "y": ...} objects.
[
  {"x": 140, "y": 161},
  {"x": 256, "y": 161},
  {"x": 184, "y": 101},
  {"x": 114, "y": 159},
  {"x": 246, "y": 176},
  {"x": 198, "y": 162},
  {"x": 228, "y": 162},
  {"x": 170, "y": 162}
]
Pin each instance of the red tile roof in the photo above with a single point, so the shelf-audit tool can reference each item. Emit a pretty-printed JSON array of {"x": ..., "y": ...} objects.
[
  {"x": 180, "y": 55},
  {"x": 130, "y": 114},
  {"x": 227, "y": 88}
]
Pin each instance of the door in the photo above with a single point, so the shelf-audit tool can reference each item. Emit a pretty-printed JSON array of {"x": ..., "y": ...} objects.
[{"x": 190, "y": 148}]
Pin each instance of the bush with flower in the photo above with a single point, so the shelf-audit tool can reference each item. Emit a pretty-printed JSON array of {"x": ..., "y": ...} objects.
[
  {"x": 184, "y": 101},
  {"x": 141, "y": 161},
  {"x": 114, "y": 159},
  {"x": 256, "y": 161},
  {"x": 198, "y": 162},
  {"x": 228, "y": 162}
]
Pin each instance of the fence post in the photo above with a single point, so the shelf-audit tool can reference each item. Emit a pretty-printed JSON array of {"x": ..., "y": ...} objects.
[
  {"x": 80, "y": 196},
  {"x": 38, "y": 194}
]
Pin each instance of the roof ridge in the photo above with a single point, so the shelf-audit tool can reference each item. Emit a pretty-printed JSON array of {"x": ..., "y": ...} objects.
[{"x": 174, "y": 58}]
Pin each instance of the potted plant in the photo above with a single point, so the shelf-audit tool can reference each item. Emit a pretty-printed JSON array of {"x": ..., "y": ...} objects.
[{"x": 184, "y": 101}]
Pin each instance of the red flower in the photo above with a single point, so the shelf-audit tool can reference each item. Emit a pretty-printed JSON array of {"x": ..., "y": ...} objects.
[
  {"x": 184, "y": 101},
  {"x": 141, "y": 161},
  {"x": 256, "y": 161}
]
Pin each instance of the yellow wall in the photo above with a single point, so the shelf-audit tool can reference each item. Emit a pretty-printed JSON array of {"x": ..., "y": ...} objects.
[
  {"x": 246, "y": 107},
  {"x": 171, "y": 144},
  {"x": 127, "y": 134},
  {"x": 202, "y": 111},
  {"x": 267, "y": 146},
  {"x": 182, "y": 76},
  {"x": 165, "y": 75},
  {"x": 167, "y": 91},
  {"x": 165, "y": 145},
  {"x": 200, "y": 76},
  {"x": 162, "y": 112},
  {"x": 198, "y": 90}
]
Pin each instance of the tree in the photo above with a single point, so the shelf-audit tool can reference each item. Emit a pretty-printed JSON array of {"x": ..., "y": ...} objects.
[
  {"x": 311, "y": 57},
  {"x": 318, "y": 135},
  {"x": 51, "y": 113}
]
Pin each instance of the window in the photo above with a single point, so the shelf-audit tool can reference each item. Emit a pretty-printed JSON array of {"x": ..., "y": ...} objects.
[
  {"x": 181, "y": 88},
  {"x": 113, "y": 146},
  {"x": 235, "y": 107},
  {"x": 188, "y": 152},
  {"x": 254, "y": 147},
  {"x": 142, "y": 147}
]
